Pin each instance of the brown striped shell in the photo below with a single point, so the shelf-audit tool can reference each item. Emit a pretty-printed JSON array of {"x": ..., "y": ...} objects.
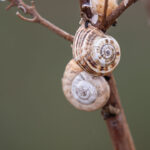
[
  {"x": 95, "y": 52},
  {"x": 83, "y": 90},
  {"x": 97, "y": 8}
]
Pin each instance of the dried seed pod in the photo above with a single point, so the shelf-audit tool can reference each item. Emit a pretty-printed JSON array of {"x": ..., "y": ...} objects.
[
  {"x": 83, "y": 90},
  {"x": 95, "y": 52}
]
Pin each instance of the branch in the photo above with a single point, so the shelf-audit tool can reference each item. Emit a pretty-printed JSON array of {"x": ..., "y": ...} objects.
[
  {"x": 37, "y": 18},
  {"x": 118, "y": 11},
  {"x": 105, "y": 12},
  {"x": 113, "y": 112},
  {"x": 147, "y": 7},
  {"x": 116, "y": 122}
]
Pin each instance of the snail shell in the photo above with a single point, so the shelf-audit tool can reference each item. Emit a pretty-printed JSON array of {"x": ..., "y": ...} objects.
[
  {"x": 97, "y": 8},
  {"x": 83, "y": 90},
  {"x": 95, "y": 52}
]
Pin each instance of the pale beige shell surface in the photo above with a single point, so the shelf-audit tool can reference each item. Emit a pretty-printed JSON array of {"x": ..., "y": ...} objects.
[
  {"x": 97, "y": 6},
  {"x": 83, "y": 90},
  {"x": 95, "y": 52}
]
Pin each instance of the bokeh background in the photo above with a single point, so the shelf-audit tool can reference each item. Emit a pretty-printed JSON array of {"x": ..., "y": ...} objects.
[{"x": 34, "y": 114}]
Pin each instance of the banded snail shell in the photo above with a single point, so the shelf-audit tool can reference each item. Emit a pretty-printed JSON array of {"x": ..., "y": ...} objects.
[
  {"x": 95, "y": 52},
  {"x": 97, "y": 7},
  {"x": 93, "y": 10},
  {"x": 83, "y": 90}
]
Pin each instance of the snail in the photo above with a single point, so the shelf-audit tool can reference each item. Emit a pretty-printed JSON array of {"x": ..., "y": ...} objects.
[
  {"x": 83, "y": 90},
  {"x": 94, "y": 51},
  {"x": 96, "y": 9}
]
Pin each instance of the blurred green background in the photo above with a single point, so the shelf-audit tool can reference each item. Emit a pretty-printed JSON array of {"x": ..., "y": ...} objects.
[{"x": 34, "y": 114}]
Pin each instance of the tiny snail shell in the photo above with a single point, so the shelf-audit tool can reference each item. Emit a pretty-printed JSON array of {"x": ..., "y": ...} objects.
[
  {"x": 95, "y": 52},
  {"x": 97, "y": 7},
  {"x": 83, "y": 90}
]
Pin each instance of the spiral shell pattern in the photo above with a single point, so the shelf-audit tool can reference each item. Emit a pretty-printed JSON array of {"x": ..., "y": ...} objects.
[
  {"x": 95, "y": 52},
  {"x": 83, "y": 90}
]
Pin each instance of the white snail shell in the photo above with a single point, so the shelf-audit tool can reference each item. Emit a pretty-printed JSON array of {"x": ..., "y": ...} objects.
[
  {"x": 97, "y": 8},
  {"x": 83, "y": 90},
  {"x": 95, "y": 52}
]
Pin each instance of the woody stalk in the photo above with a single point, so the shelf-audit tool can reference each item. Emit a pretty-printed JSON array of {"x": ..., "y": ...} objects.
[{"x": 113, "y": 112}]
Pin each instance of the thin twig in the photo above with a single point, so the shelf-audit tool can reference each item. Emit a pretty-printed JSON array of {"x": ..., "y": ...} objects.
[
  {"x": 105, "y": 13},
  {"x": 37, "y": 18},
  {"x": 147, "y": 7},
  {"x": 117, "y": 12}
]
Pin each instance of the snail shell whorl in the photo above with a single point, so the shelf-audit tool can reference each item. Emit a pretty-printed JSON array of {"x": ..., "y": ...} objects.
[
  {"x": 83, "y": 90},
  {"x": 95, "y": 52},
  {"x": 97, "y": 7}
]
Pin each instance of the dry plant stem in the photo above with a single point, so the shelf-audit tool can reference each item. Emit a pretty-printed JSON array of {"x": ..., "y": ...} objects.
[
  {"x": 117, "y": 12},
  {"x": 116, "y": 123},
  {"x": 57, "y": 30},
  {"x": 105, "y": 13},
  {"x": 147, "y": 6},
  {"x": 37, "y": 18}
]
